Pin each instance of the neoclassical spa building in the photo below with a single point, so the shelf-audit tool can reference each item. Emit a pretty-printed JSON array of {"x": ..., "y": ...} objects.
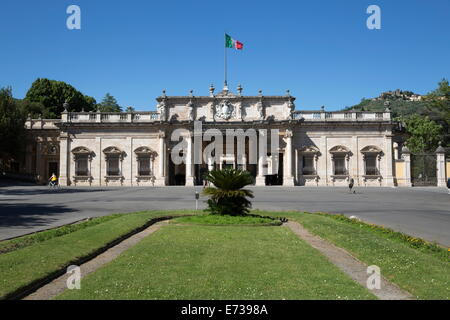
[{"x": 316, "y": 148}]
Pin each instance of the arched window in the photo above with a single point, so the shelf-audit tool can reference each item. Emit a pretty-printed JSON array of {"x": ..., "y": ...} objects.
[
  {"x": 340, "y": 157},
  {"x": 145, "y": 161},
  {"x": 372, "y": 160},
  {"x": 309, "y": 158},
  {"x": 82, "y": 158},
  {"x": 114, "y": 157}
]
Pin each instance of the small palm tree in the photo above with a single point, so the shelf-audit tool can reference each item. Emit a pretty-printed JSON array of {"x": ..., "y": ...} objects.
[{"x": 228, "y": 197}]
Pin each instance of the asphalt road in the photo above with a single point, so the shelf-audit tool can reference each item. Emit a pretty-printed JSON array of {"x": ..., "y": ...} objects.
[{"x": 421, "y": 212}]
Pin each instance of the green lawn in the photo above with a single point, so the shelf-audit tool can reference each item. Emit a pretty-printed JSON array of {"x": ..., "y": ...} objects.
[
  {"x": 219, "y": 220},
  {"x": 33, "y": 257},
  {"x": 226, "y": 262},
  {"x": 234, "y": 262},
  {"x": 422, "y": 270}
]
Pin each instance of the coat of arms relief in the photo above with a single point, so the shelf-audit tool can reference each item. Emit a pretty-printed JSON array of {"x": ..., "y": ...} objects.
[{"x": 225, "y": 110}]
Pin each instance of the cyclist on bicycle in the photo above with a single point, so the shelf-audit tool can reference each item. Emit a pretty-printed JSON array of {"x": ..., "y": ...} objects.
[{"x": 53, "y": 180}]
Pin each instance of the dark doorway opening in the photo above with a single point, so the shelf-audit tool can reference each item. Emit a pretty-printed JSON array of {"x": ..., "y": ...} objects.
[
  {"x": 424, "y": 171},
  {"x": 53, "y": 168},
  {"x": 277, "y": 179}
]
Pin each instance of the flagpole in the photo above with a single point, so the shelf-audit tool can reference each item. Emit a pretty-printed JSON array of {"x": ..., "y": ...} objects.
[{"x": 226, "y": 63}]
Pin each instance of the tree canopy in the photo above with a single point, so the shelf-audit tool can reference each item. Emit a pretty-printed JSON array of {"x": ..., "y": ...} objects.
[
  {"x": 439, "y": 99},
  {"x": 12, "y": 126},
  {"x": 49, "y": 96},
  {"x": 425, "y": 134},
  {"x": 109, "y": 104}
]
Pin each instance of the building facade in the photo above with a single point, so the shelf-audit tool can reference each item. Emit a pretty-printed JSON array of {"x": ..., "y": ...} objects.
[{"x": 314, "y": 148}]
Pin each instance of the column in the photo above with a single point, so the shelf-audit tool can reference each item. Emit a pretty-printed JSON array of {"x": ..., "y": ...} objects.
[
  {"x": 189, "y": 166},
  {"x": 389, "y": 176},
  {"x": 161, "y": 178},
  {"x": 440, "y": 165},
  {"x": 64, "y": 158},
  {"x": 288, "y": 179},
  {"x": 129, "y": 163},
  {"x": 262, "y": 158},
  {"x": 406, "y": 156},
  {"x": 210, "y": 163},
  {"x": 396, "y": 151}
]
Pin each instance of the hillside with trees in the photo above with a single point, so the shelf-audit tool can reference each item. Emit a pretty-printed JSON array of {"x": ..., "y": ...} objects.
[{"x": 425, "y": 117}]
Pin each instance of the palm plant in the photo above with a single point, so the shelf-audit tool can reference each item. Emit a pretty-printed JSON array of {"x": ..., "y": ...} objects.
[{"x": 228, "y": 197}]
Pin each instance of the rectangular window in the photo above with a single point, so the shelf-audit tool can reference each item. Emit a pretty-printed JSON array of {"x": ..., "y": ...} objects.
[
  {"x": 81, "y": 166},
  {"x": 113, "y": 168},
  {"x": 339, "y": 165},
  {"x": 371, "y": 165},
  {"x": 308, "y": 166},
  {"x": 144, "y": 166}
]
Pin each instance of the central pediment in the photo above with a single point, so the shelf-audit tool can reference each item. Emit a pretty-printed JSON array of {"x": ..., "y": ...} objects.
[{"x": 225, "y": 106}]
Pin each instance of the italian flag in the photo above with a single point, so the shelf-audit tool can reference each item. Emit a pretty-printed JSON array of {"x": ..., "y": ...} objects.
[{"x": 231, "y": 43}]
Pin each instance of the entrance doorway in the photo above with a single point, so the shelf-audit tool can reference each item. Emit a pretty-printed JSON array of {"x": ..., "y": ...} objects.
[
  {"x": 177, "y": 174},
  {"x": 277, "y": 179},
  {"x": 423, "y": 170},
  {"x": 53, "y": 168}
]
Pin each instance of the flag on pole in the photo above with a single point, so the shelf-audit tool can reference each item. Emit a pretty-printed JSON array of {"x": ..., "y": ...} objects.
[{"x": 233, "y": 44}]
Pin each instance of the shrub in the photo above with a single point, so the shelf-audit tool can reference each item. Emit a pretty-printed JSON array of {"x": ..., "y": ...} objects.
[{"x": 228, "y": 197}]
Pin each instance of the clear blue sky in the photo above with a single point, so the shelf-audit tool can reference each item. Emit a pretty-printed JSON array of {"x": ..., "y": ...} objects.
[{"x": 321, "y": 50}]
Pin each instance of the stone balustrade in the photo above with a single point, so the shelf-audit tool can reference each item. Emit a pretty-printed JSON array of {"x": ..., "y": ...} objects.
[
  {"x": 39, "y": 124},
  {"x": 100, "y": 117},
  {"x": 341, "y": 116}
]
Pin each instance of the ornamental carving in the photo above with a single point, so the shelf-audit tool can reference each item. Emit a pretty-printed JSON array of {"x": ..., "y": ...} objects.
[{"x": 225, "y": 110}]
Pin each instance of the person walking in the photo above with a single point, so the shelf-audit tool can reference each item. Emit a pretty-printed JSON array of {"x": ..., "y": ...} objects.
[{"x": 351, "y": 185}]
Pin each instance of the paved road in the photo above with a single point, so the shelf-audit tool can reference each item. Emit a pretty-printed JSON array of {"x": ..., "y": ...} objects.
[{"x": 422, "y": 212}]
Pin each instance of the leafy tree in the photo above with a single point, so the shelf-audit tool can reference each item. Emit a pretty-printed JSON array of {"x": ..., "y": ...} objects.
[
  {"x": 228, "y": 197},
  {"x": 109, "y": 104},
  {"x": 130, "y": 109},
  {"x": 440, "y": 99},
  {"x": 439, "y": 102},
  {"x": 52, "y": 94},
  {"x": 12, "y": 127},
  {"x": 424, "y": 134}
]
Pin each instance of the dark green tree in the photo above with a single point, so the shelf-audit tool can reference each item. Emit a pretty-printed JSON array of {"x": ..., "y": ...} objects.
[
  {"x": 439, "y": 99},
  {"x": 52, "y": 94},
  {"x": 12, "y": 128},
  {"x": 109, "y": 104},
  {"x": 228, "y": 197},
  {"x": 424, "y": 134}
]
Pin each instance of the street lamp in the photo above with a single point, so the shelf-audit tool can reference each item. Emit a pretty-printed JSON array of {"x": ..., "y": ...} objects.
[{"x": 197, "y": 197}]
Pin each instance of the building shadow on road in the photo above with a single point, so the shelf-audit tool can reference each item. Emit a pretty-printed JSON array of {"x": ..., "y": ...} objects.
[
  {"x": 46, "y": 191},
  {"x": 30, "y": 215}
]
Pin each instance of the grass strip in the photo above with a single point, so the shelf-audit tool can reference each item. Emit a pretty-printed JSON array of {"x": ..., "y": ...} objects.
[
  {"x": 218, "y": 220},
  {"x": 28, "y": 240},
  {"x": 29, "y": 266},
  {"x": 415, "y": 265}
]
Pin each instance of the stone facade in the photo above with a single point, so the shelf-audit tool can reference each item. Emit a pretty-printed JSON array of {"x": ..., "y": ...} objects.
[{"x": 316, "y": 148}]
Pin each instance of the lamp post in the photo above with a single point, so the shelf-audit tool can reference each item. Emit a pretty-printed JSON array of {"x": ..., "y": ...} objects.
[{"x": 197, "y": 197}]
